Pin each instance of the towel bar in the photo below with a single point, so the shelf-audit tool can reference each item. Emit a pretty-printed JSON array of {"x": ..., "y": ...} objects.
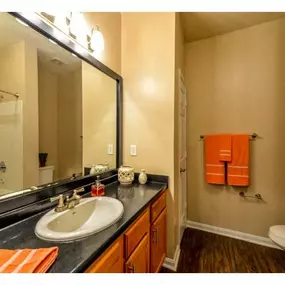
[
  {"x": 252, "y": 136},
  {"x": 256, "y": 196}
]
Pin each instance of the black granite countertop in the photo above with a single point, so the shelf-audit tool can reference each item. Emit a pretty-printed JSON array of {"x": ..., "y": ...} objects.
[{"x": 76, "y": 256}]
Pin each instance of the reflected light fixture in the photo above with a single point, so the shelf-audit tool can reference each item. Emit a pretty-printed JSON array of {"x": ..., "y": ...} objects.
[
  {"x": 53, "y": 42},
  {"x": 21, "y": 22}
]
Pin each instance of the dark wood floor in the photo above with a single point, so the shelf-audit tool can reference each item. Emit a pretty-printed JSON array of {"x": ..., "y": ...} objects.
[{"x": 203, "y": 252}]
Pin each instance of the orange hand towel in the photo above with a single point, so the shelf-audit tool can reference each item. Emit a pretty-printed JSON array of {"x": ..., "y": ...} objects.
[
  {"x": 214, "y": 168},
  {"x": 238, "y": 168},
  {"x": 27, "y": 260},
  {"x": 225, "y": 145}
]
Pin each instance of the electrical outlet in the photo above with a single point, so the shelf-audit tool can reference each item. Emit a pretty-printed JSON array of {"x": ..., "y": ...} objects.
[
  {"x": 110, "y": 149},
  {"x": 133, "y": 150}
]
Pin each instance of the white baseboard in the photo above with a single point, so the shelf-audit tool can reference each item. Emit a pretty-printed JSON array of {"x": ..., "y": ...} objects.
[
  {"x": 170, "y": 263},
  {"x": 233, "y": 234}
]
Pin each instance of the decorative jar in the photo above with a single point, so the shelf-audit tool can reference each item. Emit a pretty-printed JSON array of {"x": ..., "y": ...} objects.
[{"x": 126, "y": 175}]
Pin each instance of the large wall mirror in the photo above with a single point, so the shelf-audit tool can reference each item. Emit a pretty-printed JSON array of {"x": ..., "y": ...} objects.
[{"x": 58, "y": 113}]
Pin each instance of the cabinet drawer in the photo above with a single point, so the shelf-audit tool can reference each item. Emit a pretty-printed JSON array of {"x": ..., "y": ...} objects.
[
  {"x": 158, "y": 206},
  {"x": 136, "y": 232},
  {"x": 111, "y": 261}
]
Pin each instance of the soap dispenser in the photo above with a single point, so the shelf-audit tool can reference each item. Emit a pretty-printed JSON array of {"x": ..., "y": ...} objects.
[{"x": 98, "y": 189}]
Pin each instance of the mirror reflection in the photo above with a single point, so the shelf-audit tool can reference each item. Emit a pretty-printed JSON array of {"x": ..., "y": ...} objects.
[{"x": 57, "y": 113}]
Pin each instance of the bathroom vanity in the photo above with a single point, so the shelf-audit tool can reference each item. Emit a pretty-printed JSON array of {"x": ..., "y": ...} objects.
[{"x": 135, "y": 243}]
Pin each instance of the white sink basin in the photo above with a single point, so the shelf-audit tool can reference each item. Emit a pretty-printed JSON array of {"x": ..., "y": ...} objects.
[{"x": 91, "y": 216}]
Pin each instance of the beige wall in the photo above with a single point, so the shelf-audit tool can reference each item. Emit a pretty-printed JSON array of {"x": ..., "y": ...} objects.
[
  {"x": 70, "y": 124},
  {"x": 148, "y": 47},
  {"x": 99, "y": 116},
  {"x": 235, "y": 83},
  {"x": 48, "y": 115},
  {"x": 110, "y": 26},
  {"x": 12, "y": 78}
]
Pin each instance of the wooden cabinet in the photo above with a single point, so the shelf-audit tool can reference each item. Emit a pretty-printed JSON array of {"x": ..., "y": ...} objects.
[
  {"x": 158, "y": 242},
  {"x": 136, "y": 232},
  {"x": 112, "y": 261},
  {"x": 139, "y": 260},
  {"x": 141, "y": 248}
]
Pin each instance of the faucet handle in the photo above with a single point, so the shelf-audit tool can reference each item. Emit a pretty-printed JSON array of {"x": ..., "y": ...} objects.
[
  {"x": 60, "y": 200},
  {"x": 76, "y": 191}
]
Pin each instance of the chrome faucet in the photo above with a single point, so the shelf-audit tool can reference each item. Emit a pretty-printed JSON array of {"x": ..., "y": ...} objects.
[{"x": 65, "y": 203}]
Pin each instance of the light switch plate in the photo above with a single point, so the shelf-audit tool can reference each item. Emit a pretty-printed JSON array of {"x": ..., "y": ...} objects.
[
  {"x": 110, "y": 149},
  {"x": 133, "y": 150}
]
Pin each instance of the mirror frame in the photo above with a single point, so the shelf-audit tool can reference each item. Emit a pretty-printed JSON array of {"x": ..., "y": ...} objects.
[
  {"x": 49, "y": 32},
  {"x": 10, "y": 206}
]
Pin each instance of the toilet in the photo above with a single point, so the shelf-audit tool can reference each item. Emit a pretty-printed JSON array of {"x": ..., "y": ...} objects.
[
  {"x": 277, "y": 235},
  {"x": 46, "y": 174}
]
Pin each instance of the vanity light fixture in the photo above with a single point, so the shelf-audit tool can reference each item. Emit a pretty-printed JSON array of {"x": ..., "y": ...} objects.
[
  {"x": 73, "y": 25},
  {"x": 21, "y": 22}
]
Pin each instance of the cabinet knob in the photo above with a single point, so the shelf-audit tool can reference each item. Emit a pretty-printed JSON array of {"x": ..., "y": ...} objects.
[
  {"x": 154, "y": 235},
  {"x": 131, "y": 268}
]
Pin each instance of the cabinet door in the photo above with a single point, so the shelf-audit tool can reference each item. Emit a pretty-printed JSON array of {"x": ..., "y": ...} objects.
[
  {"x": 136, "y": 232},
  {"x": 111, "y": 261},
  {"x": 158, "y": 242},
  {"x": 138, "y": 262}
]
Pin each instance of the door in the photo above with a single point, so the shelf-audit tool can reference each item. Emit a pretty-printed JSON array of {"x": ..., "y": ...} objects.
[
  {"x": 182, "y": 155},
  {"x": 158, "y": 242},
  {"x": 139, "y": 261}
]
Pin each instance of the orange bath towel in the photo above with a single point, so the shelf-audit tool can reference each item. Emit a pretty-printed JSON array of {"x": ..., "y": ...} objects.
[
  {"x": 27, "y": 260},
  {"x": 225, "y": 145},
  {"x": 214, "y": 168},
  {"x": 238, "y": 168}
]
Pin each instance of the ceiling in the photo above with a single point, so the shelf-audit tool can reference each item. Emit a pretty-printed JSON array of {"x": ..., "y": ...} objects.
[
  {"x": 201, "y": 25},
  {"x": 49, "y": 54}
]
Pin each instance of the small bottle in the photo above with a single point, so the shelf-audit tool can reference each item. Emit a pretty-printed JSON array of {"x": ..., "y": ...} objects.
[
  {"x": 92, "y": 169},
  {"x": 143, "y": 177},
  {"x": 98, "y": 189}
]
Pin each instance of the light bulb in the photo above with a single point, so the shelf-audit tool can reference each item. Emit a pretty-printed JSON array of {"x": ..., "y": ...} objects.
[
  {"x": 78, "y": 27},
  {"x": 97, "y": 41}
]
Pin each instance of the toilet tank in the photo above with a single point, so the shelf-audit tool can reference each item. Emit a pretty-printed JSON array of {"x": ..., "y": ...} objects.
[{"x": 46, "y": 174}]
